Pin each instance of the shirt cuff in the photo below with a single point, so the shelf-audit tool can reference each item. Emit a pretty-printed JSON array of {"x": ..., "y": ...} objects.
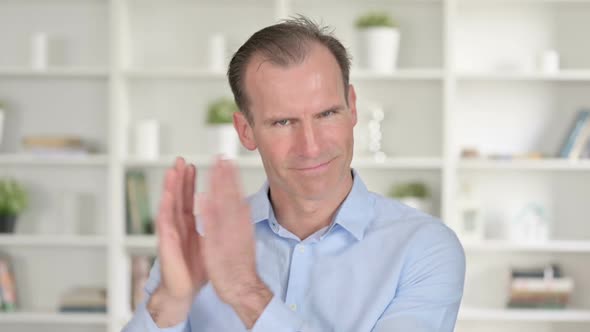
[
  {"x": 277, "y": 317},
  {"x": 143, "y": 321}
]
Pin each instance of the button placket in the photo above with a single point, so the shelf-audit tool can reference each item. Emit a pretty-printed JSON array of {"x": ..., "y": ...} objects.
[{"x": 298, "y": 276}]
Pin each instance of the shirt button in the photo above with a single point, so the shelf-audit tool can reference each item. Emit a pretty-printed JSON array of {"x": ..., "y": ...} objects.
[
  {"x": 293, "y": 307},
  {"x": 301, "y": 249}
]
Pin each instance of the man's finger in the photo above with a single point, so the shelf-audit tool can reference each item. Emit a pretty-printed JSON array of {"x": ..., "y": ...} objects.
[
  {"x": 189, "y": 189},
  {"x": 234, "y": 189},
  {"x": 189, "y": 193},
  {"x": 179, "y": 197}
]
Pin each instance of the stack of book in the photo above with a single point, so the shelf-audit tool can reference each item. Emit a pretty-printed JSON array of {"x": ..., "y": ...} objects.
[
  {"x": 543, "y": 287},
  {"x": 138, "y": 211},
  {"x": 54, "y": 145},
  {"x": 577, "y": 141},
  {"x": 84, "y": 299}
]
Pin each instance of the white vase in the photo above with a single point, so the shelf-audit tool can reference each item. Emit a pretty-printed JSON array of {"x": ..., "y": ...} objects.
[
  {"x": 225, "y": 140},
  {"x": 217, "y": 50},
  {"x": 147, "y": 139},
  {"x": 469, "y": 222},
  {"x": 40, "y": 51},
  {"x": 379, "y": 49}
]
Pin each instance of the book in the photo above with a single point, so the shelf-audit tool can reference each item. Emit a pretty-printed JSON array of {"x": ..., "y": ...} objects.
[
  {"x": 581, "y": 142},
  {"x": 84, "y": 299},
  {"x": 138, "y": 211},
  {"x": 52, "y": 141},
  {"x": 531, "y": 285},
  {"x": 550, "y": 271},
  {"x": 7, "y": 286},
  {"x": 582, "y": 117}
]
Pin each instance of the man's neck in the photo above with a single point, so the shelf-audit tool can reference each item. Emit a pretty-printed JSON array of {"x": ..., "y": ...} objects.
[{"x": 302, "y": 216}]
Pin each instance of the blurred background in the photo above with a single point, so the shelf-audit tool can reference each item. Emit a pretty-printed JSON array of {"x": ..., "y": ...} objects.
[{"x": 476, "y": 111}]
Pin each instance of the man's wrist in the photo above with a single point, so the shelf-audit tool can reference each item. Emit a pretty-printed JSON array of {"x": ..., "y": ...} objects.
[
  {"x": 249, "y": 304},
  {"x": 167, "y": 311}
]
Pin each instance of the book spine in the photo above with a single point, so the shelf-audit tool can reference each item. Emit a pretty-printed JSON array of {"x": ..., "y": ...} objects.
[
  {"x": 8, "y": 287},
  {"x": 577, "y": 126}
]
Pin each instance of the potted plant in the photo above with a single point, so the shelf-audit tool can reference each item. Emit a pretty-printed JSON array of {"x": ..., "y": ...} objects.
[
  {"x": 220, "y": 120},
  {"x": 414, "y": 194},
  {"x": 379, "y": 42},
  {"x": 13, "y": 200}
]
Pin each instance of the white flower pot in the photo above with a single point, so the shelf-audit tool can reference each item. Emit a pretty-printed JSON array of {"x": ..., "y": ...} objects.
[
  {"x": 225, "y": 140},
  {"x": 378, "y": 49},
  {"x": 147, "y": 139}
]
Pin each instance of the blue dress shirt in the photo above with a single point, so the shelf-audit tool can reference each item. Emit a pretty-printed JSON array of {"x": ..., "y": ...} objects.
[{"x": 380, "y": 266}]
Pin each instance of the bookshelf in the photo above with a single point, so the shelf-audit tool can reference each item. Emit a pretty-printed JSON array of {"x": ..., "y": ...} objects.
[{"x": 128, "y": 60}]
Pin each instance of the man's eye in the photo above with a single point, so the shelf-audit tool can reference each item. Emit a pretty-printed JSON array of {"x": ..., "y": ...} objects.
[
  {"x": 327, "y": 113},
  {"x": 281, "y": 123}
]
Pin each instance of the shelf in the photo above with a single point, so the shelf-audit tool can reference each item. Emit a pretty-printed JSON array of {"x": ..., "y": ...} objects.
[
  {"x": 22, "y": 159},
  {"x": 523, "y": 164},
  {"x": 198, "y": 160},
  {"x": 530, "y": 315},
  {"x": 175, "y": 73},
  {"x": 195, "y": 73},
  {"x": 553, "y": 246},
  {"x": 48, "y": 240},
  {"x": 56, "y": 72},
  {"x": 399, "y": 163},
  {"x": 400, "y": 74},
  {"x": 565, "y": 75},
  {"x": 53, "y": 318},
  {"x": 255, "y": 162}
]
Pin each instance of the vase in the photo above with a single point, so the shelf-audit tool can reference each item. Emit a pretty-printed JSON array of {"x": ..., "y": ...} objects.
[
  {"x": 379, "y": 49},
  {"x": 7, "y": 224}
]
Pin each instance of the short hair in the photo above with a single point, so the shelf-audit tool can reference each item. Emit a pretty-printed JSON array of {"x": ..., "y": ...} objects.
[{"x": 283, "y": 44}]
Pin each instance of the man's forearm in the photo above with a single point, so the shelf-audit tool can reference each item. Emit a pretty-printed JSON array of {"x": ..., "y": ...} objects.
[
  {"x": 167, "y": 311},
  {"x": 251, "y": 303}
]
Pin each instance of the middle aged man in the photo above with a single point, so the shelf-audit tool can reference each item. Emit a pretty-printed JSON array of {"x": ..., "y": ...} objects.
[{"x": 313, "y": 250}]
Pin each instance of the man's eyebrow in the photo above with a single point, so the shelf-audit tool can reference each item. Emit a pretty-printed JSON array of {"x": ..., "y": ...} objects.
[
  {"x": 338, "y": 107},
  {"x": 273, "y": 118}
]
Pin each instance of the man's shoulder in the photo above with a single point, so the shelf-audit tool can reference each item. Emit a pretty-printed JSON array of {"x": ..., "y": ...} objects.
[{"x": 401, "y": 220}]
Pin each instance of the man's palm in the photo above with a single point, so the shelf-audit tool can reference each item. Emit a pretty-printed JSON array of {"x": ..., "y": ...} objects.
[{"x": 181, "y": 263}]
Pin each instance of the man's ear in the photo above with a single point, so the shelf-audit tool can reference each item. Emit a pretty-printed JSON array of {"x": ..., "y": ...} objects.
[
  {"x": 244, "y": 130},
  {"x": 352, "y": 103}
]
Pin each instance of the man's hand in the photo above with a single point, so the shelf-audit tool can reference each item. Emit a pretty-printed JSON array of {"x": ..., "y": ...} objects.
[
  {"x": 181, "y": 262},
  {"x": 229, "y": 247}
]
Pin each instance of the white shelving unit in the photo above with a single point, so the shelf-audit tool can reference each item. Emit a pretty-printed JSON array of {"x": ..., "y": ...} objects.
[
  {"x": 123, "y": 61},
  {"x": 54, "y": 318}
]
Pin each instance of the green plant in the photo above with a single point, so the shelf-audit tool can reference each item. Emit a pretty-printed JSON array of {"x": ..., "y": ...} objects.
[
  {"x": 375, "y": 19},
  {"x": 13, "y": 198},
  {"x": 409, "y": 189},
  {"x": 221, "y": 111}
]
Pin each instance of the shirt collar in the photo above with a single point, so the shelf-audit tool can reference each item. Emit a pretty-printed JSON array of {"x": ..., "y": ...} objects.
[{"x": 354, "y": 214}]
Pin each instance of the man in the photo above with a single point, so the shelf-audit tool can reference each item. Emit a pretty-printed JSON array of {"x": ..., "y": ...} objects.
[{"x": 313, "y": 250}]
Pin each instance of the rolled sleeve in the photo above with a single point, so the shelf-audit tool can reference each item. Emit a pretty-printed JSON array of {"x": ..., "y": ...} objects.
[
  {"x": 278, "y": 317},
  {"x": 143, "y": 321}
]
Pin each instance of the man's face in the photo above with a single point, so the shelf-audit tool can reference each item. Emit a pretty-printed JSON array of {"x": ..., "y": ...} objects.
[{"x": 302, "y": 125}]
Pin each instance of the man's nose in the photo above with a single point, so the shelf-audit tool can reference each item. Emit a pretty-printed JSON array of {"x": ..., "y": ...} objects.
[{"x": 308, "y": 140}]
